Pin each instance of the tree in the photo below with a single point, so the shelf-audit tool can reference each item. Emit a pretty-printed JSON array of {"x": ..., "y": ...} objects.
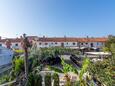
[
  {"x": 103, "y": 72},
  {"x": 25, "y": 44},
  {"x": 83, "y": 70},
  {"x": 100, "y": 72},
  {"x": 109, "y": 44}
]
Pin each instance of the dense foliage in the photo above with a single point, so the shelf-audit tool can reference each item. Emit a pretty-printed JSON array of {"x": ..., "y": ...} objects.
[
  {"x": 56, "y": 79},
  {"x": 48, "y": 81},
  {"x": 66, "y": 68},
  {"x": 104, "y": 71},
  {"x": 19, "y": 65},
  {"x": 4, "y": 79},
  {"x": 35, "y": 80},
  {"x": 101, "y": 71},
  {"x": 58, "y": 51}
]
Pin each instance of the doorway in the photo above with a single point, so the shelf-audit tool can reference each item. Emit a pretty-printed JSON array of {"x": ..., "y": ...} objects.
[{"x": 62, "y": 44}]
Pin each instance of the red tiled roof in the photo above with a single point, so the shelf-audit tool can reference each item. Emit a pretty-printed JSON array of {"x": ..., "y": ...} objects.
[
  {"x": 59, "y": 39},
  {"x": 72, "y": 39},
  {"x": 32, "y": 37},
  {"x": 11, "y": 39},
  {"x": 17, "y": 39}
]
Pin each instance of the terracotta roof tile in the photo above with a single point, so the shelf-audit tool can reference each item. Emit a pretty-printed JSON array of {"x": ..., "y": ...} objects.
[
  {"x": 11, "y": 39},
  {"x": 59, "y": 39},
  {"x": 72, "y": 39}
]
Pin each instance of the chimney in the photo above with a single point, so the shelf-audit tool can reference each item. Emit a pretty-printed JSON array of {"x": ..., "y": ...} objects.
[
  {"x": 87, "y": 37},
  {"x": 0, "y": 37},
  {"x": 43, "y": 36},
  {"x": 65, "y": 37}
]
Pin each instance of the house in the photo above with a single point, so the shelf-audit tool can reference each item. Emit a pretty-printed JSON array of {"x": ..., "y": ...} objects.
[
  {"x": 13, "y": 42},
  {"x": 69, "y": 42}
]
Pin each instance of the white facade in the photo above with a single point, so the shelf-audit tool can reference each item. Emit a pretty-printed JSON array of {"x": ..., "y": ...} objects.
[
  {"x": 56, "y": 44},
  {"x": 92, "y": 44},
  {"x": 16, "y": 45},
  {"x": 64, "y": 42},
  {"x": 2, "y": 44},
  {"x": 70, "y": 44}
]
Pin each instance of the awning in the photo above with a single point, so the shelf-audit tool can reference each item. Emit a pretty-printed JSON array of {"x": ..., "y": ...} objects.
[
  {"x": 73, "y": 47},
  {"x": 98, "y": 53}
]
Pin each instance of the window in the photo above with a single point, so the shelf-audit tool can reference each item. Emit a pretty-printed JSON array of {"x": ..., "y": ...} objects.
[
  {"x": 0, "y": 44},
  {"x": 97, "y": 43},
  {"x": 91, "y": 44},
  {"x": 86, "y": 43},
  {"x": 55, "y": 42},
  {"x": 46, "y": 43},
  {"x": 40, "y": 43},
  {"x": 102, "y": 43},
  {"x": 62, "y": 44},
  {"x": 16, "y": 44},
  {"x": 67, "y": 43},
  {"x": 73, "y": 43},
  {"x": 81, "y": 43}
]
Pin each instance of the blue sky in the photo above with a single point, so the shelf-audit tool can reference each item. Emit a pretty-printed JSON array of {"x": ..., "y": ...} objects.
[{"x": 57, "y": 17}]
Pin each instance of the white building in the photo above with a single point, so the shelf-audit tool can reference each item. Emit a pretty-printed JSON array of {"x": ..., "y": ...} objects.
[
  {"x": 59, "y": 42},
  {"x": 71, "y": 42},
  {"x": 15, "y": 42}
]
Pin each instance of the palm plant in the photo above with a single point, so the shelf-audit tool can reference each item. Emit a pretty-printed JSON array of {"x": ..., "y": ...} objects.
[
  {"x": 25, "y": 44},
  {"x": 56, "y": 79},
  {"x": 48, "y": 79},
  {"x": 66, "y": 69},
  {"x": 83, "y": 70},
  {"x": 34, "y": 80}
]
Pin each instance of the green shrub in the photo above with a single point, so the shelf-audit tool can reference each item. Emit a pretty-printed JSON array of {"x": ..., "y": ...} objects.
[
  {"x": 55, "y": 69},
  {"x": 4, "y": 79},
  {"x": 58, "y": 51},
  {"x": 56, "y": 79},
  {"x": 19, "y": 51},
  {"x": 12, "y": 75},
  {"x": 48, "y": 79},
  {"x": 19, "y": 65},
  {"x": 38, "y": 80},
  {"x": 31, "y": 80},
  {"x": 35, "y": 80}
]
